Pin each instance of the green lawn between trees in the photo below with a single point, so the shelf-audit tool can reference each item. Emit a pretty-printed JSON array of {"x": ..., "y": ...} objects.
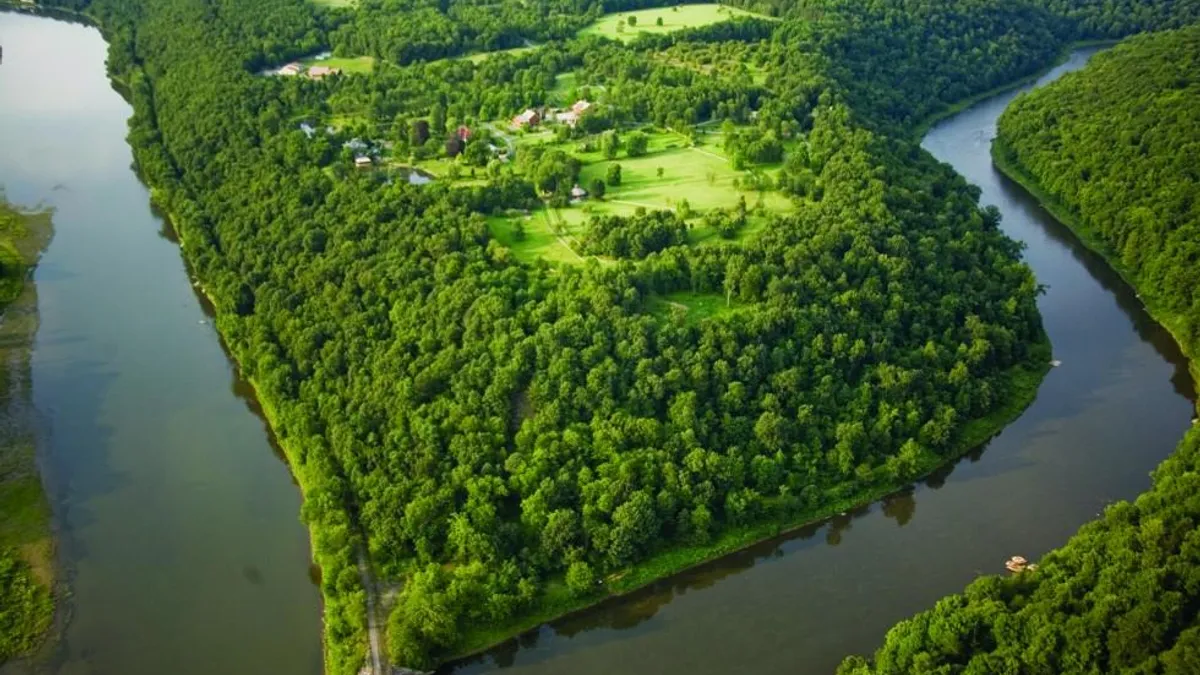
[{"x": 618, "y": 26}]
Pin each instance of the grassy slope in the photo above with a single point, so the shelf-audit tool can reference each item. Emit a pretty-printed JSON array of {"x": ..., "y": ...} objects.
[
  {"x": 674, "y": 18},
  {"x": 26, "y": 545}
]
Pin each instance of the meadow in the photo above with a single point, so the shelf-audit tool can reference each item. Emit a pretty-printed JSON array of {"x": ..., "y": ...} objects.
[
  {"x": 359, "y": 64},
  {"x": 617, "y": 27}
]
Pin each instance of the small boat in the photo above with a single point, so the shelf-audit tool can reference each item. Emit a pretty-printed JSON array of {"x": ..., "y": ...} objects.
[{"x": 1017, "y": 564}]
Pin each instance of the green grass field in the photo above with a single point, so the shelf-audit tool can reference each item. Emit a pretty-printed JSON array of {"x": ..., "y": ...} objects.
[
  {"x": 674, "y": 18},
  {"x": 335, "y": 3},
  {"x": 695, "y": 306},
  {"x": 701, "y": 175},
  {"x": 480, "y": 57},
  {"x": 358, "y": 64}
]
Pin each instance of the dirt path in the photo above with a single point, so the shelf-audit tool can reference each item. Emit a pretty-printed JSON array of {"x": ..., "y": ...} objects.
[{"x": 368, "y": 583}]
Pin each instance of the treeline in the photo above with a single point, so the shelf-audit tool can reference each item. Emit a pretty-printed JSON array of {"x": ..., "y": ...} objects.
[
  {"x": 1120, "y": 597},
  {"x": 493, "y": 432},
  {"x": 1115, "y": 146},
  {"x": 1112, "y": 148}
]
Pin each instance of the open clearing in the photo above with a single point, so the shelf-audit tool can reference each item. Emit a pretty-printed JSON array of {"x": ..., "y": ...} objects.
[
  {"x": 480, "y": 57},
  {"x": 701, "y": 175},
  {"x": 674, "y": 18},
  {"x": 358, "y": 64},
  {"x": 335, "y": 3}
]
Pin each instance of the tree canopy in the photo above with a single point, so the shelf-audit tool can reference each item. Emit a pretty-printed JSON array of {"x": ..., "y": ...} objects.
[
  {"x": 494, "y": 432},
  {"x": 1113, "y": 148}
]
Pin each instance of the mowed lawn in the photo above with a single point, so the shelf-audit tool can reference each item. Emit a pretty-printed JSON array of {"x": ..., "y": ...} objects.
[
  {"x": 701, "y": 175},
  {"x": 358, "y": 64},
  {"x": 674, "y": 18}
]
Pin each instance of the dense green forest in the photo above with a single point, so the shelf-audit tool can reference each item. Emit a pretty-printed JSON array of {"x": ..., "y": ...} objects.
[
  {"x": 508, "y": 439},
  {"x": 1120, "y": 597},
  {"x": 26, "y": 552},
  {"x": 1115, "y": 147},
  {"x": 1112, "y": 149}
]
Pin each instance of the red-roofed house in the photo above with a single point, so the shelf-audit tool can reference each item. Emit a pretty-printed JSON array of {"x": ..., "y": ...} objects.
[{"x": 529, "y": 118}]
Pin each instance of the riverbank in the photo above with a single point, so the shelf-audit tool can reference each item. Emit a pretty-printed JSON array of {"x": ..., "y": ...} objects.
[
  {"x": 27, "y": 553},
  {"x": 955, "y": 108},
  {"x": 1007, "y": 164},
  {"x": 1021, "y": 384}
]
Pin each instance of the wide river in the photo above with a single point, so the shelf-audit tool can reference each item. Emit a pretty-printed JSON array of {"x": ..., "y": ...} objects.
[{"x": 178, "y": 522}]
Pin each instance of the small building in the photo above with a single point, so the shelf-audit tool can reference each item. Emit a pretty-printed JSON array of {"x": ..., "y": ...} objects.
[
  {"x": 318, "y": 72},
  {"x": 362, "y": 162},
  {"x": 291, "y": 69},
  {"x": 578, "y": 194},
  {"x": 1017, "y": 564},
  {"x": 580, "y": 107},
  {"x": 567, "y": 117},
  {"x": 528, "y": 119},
  {"x": 463, "y": 133}
]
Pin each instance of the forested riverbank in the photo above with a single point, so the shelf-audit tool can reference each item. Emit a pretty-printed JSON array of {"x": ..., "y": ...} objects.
[
  {"x": 1108, "y": 150},
  {"x": 27, "y": 565},
  {"x": 505, "y": 435}
]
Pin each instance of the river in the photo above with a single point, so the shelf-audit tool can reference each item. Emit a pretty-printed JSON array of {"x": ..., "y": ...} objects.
[
  {"x": 1115, "y": 408},
  {"x": 178, "y": 524}
]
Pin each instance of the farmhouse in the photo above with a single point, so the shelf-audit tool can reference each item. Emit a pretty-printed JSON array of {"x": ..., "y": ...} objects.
[
  {"x": 527, "y": 119},
  {"x": 362, "y": 161},
  {"x": 291, "y": 69},
  {"x": 570, "y": 116},
  {"x": 578, "y": 194}
]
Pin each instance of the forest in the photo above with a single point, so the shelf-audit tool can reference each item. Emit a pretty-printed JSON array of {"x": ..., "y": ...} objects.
[
  {"x": 509, "y": 440},
  {"x": 1111, "y": 149}
]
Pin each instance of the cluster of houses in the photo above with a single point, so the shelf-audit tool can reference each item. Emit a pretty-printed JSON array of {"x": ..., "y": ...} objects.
[
  {"x": 313, "y": 72},
  {"x": 532, "y": 117}
]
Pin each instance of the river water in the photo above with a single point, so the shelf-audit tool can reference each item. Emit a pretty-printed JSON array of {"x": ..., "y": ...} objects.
[
  {"x": 179, "y": 525},
  {"x": 178, "y": 522},
  {"x": 1114, "y": 409}
]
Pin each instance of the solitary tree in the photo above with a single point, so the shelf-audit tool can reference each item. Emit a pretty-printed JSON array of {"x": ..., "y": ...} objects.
[
  {"x": 658, "y": 21},
  {"x": 613, "y": 176},
  {"x": 637, "y": 143},
  {"x": 632, "y": 20}
]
